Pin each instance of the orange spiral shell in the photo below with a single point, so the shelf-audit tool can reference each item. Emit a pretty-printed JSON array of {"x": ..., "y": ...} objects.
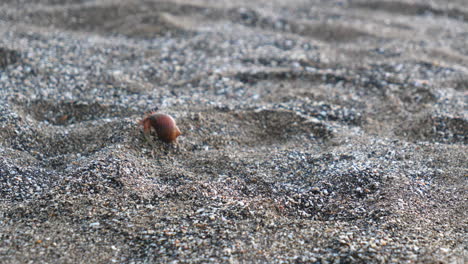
[{"x": 164, "y": 125}]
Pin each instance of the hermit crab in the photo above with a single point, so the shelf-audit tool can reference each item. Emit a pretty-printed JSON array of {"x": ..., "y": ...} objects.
[{"x": 164, "y": 125}]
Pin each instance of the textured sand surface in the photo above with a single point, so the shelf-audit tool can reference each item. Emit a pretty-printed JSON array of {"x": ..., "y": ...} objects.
[{"x": 312, "y": 131}]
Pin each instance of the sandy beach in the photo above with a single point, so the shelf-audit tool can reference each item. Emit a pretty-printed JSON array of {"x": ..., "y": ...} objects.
[{"x": 312, "y": 131}]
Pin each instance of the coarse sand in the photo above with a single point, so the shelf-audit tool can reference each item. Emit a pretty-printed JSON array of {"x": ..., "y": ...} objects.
[{"x": 313, "y": 131}]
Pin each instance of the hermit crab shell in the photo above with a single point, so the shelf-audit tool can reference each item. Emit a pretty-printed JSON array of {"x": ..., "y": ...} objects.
[{"x": 164, "y": 125}]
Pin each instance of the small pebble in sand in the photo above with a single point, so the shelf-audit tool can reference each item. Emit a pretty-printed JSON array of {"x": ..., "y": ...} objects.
[{"x": 163, "y": 124}]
